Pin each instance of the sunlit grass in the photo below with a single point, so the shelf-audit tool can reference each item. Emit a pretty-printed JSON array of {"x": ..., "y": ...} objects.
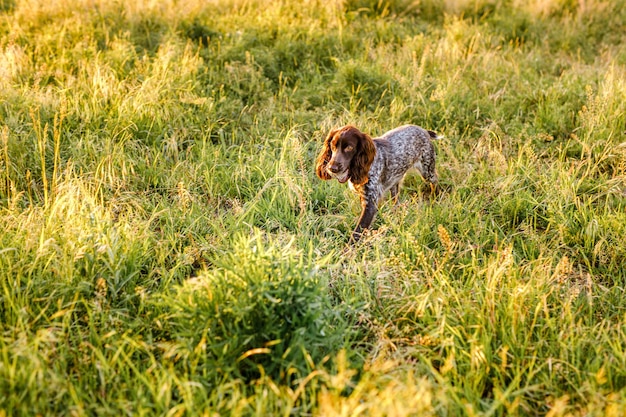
[{"x": 166, "y": 248}]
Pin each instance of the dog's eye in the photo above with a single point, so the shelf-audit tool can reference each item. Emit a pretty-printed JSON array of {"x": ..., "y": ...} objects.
[{"x": 348, "y": 148}]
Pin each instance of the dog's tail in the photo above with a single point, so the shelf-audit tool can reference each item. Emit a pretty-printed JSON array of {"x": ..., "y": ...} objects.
[{"x": 434, "y": 135}]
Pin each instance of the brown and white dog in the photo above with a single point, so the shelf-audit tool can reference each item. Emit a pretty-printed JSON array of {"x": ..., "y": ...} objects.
[{"x": 375, "y": 166}]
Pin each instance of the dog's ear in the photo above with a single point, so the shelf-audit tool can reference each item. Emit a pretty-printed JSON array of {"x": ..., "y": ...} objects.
[
  {"x": 324, "y": 157},
  {"x": 362, "y": 160}
]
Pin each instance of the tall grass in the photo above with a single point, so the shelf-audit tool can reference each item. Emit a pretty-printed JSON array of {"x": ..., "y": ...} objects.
[{"x": 166, "y": 248}]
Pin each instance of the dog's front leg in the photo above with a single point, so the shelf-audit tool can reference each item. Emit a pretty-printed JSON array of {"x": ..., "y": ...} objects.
[{"x": 365, "y": 220}]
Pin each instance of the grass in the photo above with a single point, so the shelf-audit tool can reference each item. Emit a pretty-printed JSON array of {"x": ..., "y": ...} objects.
[{"x": 166, "y": 248}]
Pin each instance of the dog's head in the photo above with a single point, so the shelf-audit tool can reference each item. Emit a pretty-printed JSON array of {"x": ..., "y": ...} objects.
[{"x": 348, "y": 154}]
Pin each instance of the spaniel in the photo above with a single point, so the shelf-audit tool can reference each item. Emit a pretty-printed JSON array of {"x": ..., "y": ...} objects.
[{"x": 375, "y": 166}]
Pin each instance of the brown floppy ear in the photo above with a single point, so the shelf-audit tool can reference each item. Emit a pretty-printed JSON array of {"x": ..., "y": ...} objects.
[
  {"x": 324, "y": 157},
  {"x": 362, "y": 160}
]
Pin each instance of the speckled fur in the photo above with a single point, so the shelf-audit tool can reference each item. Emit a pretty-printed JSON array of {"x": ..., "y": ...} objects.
[{"x": 396, "y": 152}]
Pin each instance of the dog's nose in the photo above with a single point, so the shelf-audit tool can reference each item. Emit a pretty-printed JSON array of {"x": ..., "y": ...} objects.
[{"x": 334, "y": 168}]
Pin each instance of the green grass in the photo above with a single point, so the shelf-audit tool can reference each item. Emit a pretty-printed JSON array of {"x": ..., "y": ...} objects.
[{"x": 166, "y": 249}]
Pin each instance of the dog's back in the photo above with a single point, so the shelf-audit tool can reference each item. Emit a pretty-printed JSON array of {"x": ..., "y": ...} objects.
[{"x": 406, "y": 147}]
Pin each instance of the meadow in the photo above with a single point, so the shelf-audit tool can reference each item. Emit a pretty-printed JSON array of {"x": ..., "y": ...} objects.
[{"x": 166, "y": 248}]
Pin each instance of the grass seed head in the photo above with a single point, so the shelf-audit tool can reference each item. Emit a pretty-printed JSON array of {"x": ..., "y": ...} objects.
[{"x": 444, "y": 238}]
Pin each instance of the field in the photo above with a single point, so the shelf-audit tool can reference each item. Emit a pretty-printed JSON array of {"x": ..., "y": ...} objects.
[{"x": 166, "y": 248}]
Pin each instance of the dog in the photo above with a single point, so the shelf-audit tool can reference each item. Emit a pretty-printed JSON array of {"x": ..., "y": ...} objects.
[{"x": 375, "y": 166}]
